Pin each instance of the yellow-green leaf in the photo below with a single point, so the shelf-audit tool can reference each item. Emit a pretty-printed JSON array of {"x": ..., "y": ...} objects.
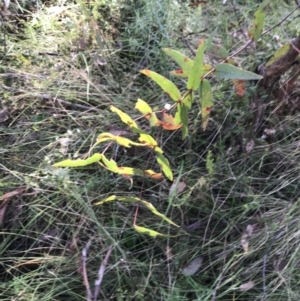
[
  {"x": 182, "y": 60},
  {"x": 153, "y": 175},
  {"x": 278, "y": 54},
  {"x": 188, "y": 100},
  {"x": 154, "y": 211},
  {"x": 197, "y": 70},
  {"x": 150, "y": 142},
  {"x": 135, "y": 199},
  {"x": 164, "y": 83},
  {"x": 128, "y": 171},
  {"x": 124, "y": 117},
  {"x": 147, "y": 231},
  {"x": 165, "y": 166},
  {"x": 118, "y": 139},
  {"x": 79, "y": 162},
  {"x": 109, "y": 199},
  {"x": 120, "y": 198},
  {"x": 206, "y": 102},
  {"x": 145, "y": 109},
  {"x": 110, "y": 164}
]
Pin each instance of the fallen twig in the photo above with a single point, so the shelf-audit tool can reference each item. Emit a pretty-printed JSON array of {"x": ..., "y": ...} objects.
[
  {"x": 84, "y": 252},
  {"x": 101, "y": 274}
]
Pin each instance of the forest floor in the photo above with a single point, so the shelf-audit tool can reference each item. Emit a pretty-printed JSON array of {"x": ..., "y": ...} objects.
[{"x": 236, "y": 196}]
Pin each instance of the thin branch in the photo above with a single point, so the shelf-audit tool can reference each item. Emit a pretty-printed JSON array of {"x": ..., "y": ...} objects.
[
  {"x": 89, "y": 295},
  {"x": 101, "y": 273},
  {"x": 281, "y": 21}
]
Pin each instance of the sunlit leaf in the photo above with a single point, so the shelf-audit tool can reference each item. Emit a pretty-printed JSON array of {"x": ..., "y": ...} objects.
[
  {"x": 164, "y": 83},
  {"x": 282, "y": 51},
  {"x": 153, "y": 175},
  {"x": 110, "y": 164},
  {"x": 165, "y": 166},
  {"x": 136, "y": 199},
  {"x": 148, "y": 140},
  {"x": 197, "y": 70},
  {"x": 206, "y": 102},
  {"x": 145, "y": 109},
  {"x": 147, "y": 231},
  {"x": 79, "y": 162},
  {"x": 128, "y": 171},
  {"x": 228, "y": 71},
  {"x": 182, "y": 60},
  {"x": 118, "y": 139},
  {"x": 124, "y": 117},
  {"x": 239, "y": 85},
  {"x": 109, "y": 199},
  {"x": 154, "y": 211}
]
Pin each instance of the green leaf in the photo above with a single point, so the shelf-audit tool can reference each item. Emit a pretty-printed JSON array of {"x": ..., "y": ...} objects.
[
  {"x": 206, "y": 102},
  {"x": 165, "y": 166},
  {"x": 124, "y": 117},
  {"x": 182, "y": 115},
  {"x": 181, "y": 73},
  {"x": 256, "y": 30},
  {"x": 197, "y": 70},
  {"x": 188, "y": 100},
  {"x": 182, "y": 60},
  {"x": 258, "y": 23},
  {"x": 278, "y": 54},
  {"x": 228, "y": 71},
  {"x": 218, "y": 51},
  {"x": 264, "y": 4},
  {"x": 164, "y": 83},
  {"x": 147, "y": 231},
  {"x": 154, "y": 211},
  {"x": 79, "y": 162}
]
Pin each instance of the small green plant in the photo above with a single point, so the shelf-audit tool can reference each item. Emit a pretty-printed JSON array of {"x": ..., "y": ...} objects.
[{"x": 198, "y": 76}]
